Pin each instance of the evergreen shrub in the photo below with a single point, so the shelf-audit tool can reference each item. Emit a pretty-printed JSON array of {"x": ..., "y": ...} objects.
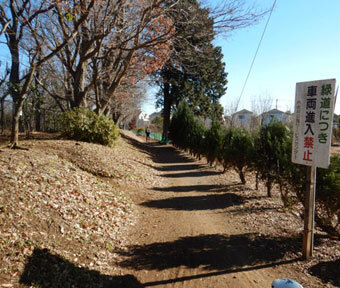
[
  {"x": 328, "y": 196},
  {"x": 238, "y": 150},
  {"x": 212, "y": 144},
  {"x": 85, "y": 125},
  {"x": 272, "y": 152}
]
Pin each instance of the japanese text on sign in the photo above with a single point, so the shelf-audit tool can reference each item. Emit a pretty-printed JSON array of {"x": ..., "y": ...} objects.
[{"x": 313, "y": 122}]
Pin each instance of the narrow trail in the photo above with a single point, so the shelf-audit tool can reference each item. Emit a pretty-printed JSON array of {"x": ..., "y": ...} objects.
[{"x": 184, "y": 238}]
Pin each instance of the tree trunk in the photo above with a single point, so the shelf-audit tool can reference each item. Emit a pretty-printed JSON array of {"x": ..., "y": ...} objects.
[
  {"x": 269, "y": 188},
  {"x": 14, "y": 80},
  {"x": 257, "y": 180},
  {"x": 44, "y": 119},
  {"x": 166, "y": 111},
  {"x": 242, "y": 177},
  {"x": 28, "y": 128},
  {"x": 2, "y": 112},
  {"x": 79, "y": 92},
  {"x": 14, "y": 142},
  {"x": 37, "y": 106},
  {"x": 38, "y": 115},
  {"x": 18, "y": 101}
]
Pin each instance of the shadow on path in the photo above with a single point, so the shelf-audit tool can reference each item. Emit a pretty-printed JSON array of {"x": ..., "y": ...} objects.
[
  {"x": 191, "y": 188},
  {"x": 202, "y": 188},
  {"x": 180, "y": 167},
  {"x": 327, "y": 271},
  {"x": 250, "y": 210},
  {"x": 161, "y": 154},
  {"x": 192, "y": 174},
  {"x": 191, "y": 203},
  {"x": 223, "y": 253},
  {"x": 46, "y": 270},
  {"x": 172, "y": 159}
]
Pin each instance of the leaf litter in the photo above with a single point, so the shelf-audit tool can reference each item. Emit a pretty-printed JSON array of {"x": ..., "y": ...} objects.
[{"x": 52, "y": 198}]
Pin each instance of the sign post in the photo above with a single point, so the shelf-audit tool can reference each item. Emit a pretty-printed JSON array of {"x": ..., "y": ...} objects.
[
  {"x": 314, "y": 102},
  {"x": 308, "y": 232}
]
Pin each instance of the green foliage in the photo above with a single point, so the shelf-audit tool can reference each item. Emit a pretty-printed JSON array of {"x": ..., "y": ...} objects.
[
  {"x": 85, "y": 125},
  {"x": 181, "y": 126},
  {"x": 269, "y": 153},
  {"x": 158, "y": 123},
  {"x": 141, "y": 131},
  {"x": 186, "y": 131},
  {"x": 197, "y": 139},
  {"x": 328, "y": 193},
  {"x": 238, "y": 150},
  {"x": 336, "y": 134},
  {"x": 212, "y": 144},
  {"x": 272, "y": 152},
  {"x": 195, "y": 72}
]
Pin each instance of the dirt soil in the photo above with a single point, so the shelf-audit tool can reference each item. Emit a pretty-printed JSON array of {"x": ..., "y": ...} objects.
[
  {"x": 204, "y": 229},
  {"x": 191, "y": 226}
]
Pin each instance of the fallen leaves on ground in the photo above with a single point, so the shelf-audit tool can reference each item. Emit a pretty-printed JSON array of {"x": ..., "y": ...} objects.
[
  {"x": 51, "y": 199},
  {"x": 123, "y": 163}
]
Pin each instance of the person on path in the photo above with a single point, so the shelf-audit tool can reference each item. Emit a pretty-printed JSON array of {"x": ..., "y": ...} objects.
[{"x": 147, "y": 133}]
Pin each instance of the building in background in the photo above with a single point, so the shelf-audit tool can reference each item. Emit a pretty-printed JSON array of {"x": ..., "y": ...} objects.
[
  {"x": 142, "y": 120},
  {"x": 242, "y": 118},
  {"x": 271, "y": 115}
]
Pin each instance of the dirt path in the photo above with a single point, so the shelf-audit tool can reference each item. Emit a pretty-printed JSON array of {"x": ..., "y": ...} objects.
[{"x": 184, "y": 238}]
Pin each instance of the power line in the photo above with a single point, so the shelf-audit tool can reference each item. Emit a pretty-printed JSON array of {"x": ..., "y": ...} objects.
[{"x": 257, "y": 50}]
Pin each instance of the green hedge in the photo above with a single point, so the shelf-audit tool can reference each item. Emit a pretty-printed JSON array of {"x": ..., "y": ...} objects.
[
  {"x": 328, "y": 196},
  {"x": 268, "y": 153},
  {"x": 238, "y": 150}
]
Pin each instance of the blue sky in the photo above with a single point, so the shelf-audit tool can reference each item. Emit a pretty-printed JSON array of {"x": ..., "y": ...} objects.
[{"x": 302, "y": 43}]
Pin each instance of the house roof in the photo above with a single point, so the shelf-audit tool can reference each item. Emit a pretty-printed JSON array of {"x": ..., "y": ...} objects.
[
  {"x": 243, "y": 111},
  {"x": 273, "y": 111}
]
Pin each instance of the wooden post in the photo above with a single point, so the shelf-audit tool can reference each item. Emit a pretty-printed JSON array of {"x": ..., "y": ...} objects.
[{"x": 308, "y": 233}]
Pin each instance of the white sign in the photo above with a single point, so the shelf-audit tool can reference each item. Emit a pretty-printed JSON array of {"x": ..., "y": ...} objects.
[{"x": 314, "y": 106}]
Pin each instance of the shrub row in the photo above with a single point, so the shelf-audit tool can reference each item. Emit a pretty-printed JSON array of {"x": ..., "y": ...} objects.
[{"x": 267, "y": 153}]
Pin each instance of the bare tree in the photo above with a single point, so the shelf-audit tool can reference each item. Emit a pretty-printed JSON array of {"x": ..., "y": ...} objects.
[
  {"x": 3, "y": 97},
  {"x": 261, "y": 104},
  {"x": 21, "y": 22},
  {"x": 120, "y": 42},
  {"x": 229, "y": 112},
  {"x": 122, "y": 108}
]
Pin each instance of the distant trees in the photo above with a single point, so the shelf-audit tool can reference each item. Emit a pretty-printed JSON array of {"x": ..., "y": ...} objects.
[
  {"x": 157, "y": 122},
  {"x": 195, "y": 71},
  {"x": 93, "y": 55},
  {"x": 89, "y": 51},
  {"x": 22, "y": 23},
  {"x": 120, "y": 43},
  {"x": 4, "y": 93},
  {"x": 259, "y": 105}
]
